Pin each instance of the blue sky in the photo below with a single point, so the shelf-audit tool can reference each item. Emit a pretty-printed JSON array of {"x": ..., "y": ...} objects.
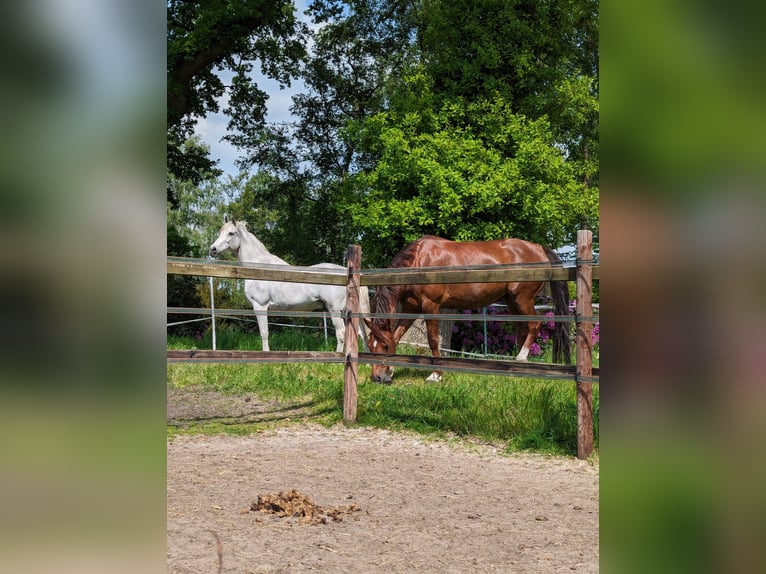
[{"x": 213, "y": 127}]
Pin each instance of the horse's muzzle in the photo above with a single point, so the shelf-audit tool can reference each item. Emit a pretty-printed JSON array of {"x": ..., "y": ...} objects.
[{"x": 382, "y": 375}]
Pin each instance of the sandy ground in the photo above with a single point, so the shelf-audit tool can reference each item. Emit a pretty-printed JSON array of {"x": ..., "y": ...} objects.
[{"x": 413, "y": 505}]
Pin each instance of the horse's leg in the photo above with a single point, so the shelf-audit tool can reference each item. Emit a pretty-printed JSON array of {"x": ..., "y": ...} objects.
[
  {"x": 525, "y": 303},
  {"x": 263, "y": 324},
  {"x": 401, "y": 328},
  {"x": 434, "y": 341},
  {"x": 432, "y": 330},
  {"x": 340, "y": 332}
]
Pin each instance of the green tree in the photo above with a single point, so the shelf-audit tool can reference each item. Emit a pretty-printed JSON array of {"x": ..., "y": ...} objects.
[
  {"x": 362, "y": 44},
  {"x": 492, "y": 132},
  {"x": 467, "y": 172},
  {"x": 472, "y": 119},
  {"x": 181, "y": 289},
  {"x": 200, "y": 210},
  {"x": 210, "y": 37},
  {"x": 540, "y": 56}
]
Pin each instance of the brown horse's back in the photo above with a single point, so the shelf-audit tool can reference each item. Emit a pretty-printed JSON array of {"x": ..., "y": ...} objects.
[{"x": 432, "y": 251}]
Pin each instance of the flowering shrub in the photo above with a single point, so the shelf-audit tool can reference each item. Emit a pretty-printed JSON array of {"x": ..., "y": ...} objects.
[
  {"x": 468, "y": 336},
  {"x": 594, "y": 336}
]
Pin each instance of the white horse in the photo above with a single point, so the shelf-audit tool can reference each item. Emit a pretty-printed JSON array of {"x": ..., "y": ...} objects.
[{"x": 263, "y": 295}]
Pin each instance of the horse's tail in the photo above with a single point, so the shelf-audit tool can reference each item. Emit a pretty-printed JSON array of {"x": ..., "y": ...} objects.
[{"x": 561, "y": 350}]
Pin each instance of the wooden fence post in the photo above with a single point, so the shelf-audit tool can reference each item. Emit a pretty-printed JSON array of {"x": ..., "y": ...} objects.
[
  {"x": 584, "y": 349},
  {"x": 351, "y": 367}
]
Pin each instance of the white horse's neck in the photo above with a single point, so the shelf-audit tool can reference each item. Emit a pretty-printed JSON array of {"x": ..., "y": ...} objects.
[{"x": 251, "y": 250}]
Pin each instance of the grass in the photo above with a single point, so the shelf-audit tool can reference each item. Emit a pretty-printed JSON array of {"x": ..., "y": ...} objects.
[
  {"x": 230, "y": 337},
  {"x": 521, "y": 414}
]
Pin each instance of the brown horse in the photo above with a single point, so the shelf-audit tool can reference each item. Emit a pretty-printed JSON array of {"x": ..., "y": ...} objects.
[{"x": 430, "y": 251}]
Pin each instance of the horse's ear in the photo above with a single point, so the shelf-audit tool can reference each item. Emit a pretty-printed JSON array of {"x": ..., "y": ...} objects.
[
  {"x": 368, "y": 323},
  {"x": 225, "y": 218}
]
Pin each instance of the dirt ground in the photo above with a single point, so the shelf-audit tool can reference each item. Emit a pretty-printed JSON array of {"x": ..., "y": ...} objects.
[{"x": 379, "y": 502}]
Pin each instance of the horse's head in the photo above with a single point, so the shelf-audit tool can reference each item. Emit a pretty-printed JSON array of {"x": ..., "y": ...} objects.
[
  {"x": 381, "y": 340},
  {"x": 228, "y": 239}
]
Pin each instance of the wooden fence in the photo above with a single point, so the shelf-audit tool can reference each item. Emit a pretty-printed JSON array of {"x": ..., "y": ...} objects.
[{"x": 582, "y": 372}]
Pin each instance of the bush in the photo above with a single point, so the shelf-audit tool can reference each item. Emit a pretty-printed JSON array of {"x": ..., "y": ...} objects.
[
  {"x": 503, "y": 336},
  {"x": 182, "y": 289}
]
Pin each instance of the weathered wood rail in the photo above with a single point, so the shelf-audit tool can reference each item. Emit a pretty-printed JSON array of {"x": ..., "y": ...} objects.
[{"x": 368, "y": 278}]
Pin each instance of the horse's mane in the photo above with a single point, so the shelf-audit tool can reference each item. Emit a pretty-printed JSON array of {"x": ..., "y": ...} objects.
[
  {"x": 384, "y": 301},
  {"x": 406, "y": 257},
  {"x": 243, "y": 230},
  {"x": 386, "y": 297},
  {"x": 248, "y": 235}
]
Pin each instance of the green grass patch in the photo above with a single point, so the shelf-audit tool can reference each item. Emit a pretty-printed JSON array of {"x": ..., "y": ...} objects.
[
  {"x": 525, "y": 414},
  {"x": 229, "y": 336},
  {"x": 522, "y": 414}
]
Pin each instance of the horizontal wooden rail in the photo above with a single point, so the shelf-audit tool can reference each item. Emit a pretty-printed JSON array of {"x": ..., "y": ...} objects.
[
  {"x": 372, "y": 277},
  {"x": 253, "y": 313},
  {"x": 479, "y": 366},
  {"x": 208, "y": 356},
  {"x": 290, "y": 274},
  {"x": 422, "y": 276},
  {"x": 486, "y": 318}
]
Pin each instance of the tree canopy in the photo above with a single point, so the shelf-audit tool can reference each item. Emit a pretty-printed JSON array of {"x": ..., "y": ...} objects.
[
  {"x": 205, "y": 38},
  {"x": 470, "y": 119}
]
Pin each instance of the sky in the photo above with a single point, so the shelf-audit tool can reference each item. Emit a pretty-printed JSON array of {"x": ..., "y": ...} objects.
[{"x": 213, "y": 127}]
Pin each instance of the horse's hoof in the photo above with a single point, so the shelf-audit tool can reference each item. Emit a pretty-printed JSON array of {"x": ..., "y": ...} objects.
[{"x": 433, "y": 378}]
